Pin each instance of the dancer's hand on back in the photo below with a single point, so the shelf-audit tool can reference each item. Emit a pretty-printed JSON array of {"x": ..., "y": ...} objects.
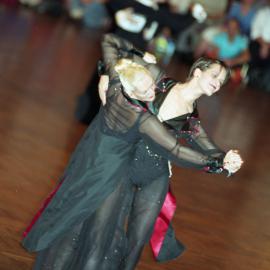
[
  {"x": 149, "y": 58},
  {"x": 103, "y": 87}
]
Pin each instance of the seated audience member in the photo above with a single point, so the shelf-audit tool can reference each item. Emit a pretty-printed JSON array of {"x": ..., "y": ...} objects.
[
  {"x": 244, "y": 11},
  {"x": 259, "y": 66},
  {"x": 230, "y": 45}
]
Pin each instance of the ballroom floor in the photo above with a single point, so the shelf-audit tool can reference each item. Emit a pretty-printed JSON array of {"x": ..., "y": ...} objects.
[{"x": 45, "y": 63}]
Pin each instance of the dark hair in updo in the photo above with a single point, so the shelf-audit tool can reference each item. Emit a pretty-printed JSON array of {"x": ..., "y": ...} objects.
[{"x": 204, "y": 63}]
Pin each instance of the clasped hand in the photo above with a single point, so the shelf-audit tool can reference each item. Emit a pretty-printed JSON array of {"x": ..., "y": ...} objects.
[{"x": 232, "y": 161}]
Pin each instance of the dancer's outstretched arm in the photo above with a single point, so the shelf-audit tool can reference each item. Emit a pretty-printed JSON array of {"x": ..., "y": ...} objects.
[
  {"x": 161, "y": 140},
  {"x": 197, "y": 137}
]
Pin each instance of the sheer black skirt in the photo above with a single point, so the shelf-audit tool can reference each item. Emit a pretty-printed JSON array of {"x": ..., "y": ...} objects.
[{"x": 113, "y": 237}]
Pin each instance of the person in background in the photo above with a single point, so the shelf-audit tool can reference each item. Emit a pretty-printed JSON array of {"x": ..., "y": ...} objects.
[
  {"x": 259, "y": 48},
  {"x": 163, "y": 46},
  {"x": 92, "y": 13},
  {"x": 188, "y": 41},
  {"x": 244, "y": 11},
  {"x": 230, "y": 45}
]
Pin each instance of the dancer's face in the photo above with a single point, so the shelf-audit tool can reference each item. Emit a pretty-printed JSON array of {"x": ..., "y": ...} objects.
[
  {"x": 144, "y": 87},
  {"x": 211, "y": 79}
]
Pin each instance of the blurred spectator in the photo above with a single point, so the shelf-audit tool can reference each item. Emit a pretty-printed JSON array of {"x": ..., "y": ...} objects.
[
  {"x": 93, "y": 13},
  {"x": 260, "y": 38},
  {"x": 259, "y": 68},
  {"x": 131, "y": 25},
  {"x": 139, "y": 20},
  {"x": 244, "y": 11},
  {"x": 230, "y": 45},
  {"x": 189, "y": 39},
  {"x": 213, "y": 8},
  {"x": 163, "y": 46}
]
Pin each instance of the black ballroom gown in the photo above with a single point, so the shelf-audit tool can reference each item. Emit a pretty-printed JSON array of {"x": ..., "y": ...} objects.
[
  {"x": 80, "y": 226},
  {"x": 150, "y": 172}
]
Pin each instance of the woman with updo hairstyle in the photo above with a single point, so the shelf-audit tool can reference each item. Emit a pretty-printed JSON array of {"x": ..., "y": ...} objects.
[{"x": 90, "y": 219}]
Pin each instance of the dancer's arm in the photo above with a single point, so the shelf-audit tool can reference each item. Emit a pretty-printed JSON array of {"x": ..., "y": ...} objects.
[
  {"x": 198, "y": 139},
  {"x": 161, "y": 140},
  {"x": 115, "y": 48}
]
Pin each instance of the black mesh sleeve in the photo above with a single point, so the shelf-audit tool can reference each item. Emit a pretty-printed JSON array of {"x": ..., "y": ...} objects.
[
  {"x": 198, "y": 139},
  {"x": 160, "y": 140}
]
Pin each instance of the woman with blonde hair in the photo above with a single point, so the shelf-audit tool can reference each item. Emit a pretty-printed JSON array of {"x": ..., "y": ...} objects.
[{"x": 80, "y": 223}]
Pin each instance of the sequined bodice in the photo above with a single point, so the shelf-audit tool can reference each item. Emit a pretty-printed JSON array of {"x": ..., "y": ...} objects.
[{"x": 178, "y": 123}]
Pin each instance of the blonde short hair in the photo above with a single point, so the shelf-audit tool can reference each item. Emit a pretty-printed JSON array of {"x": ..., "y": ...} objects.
[{"x": 129, "y": 73}]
